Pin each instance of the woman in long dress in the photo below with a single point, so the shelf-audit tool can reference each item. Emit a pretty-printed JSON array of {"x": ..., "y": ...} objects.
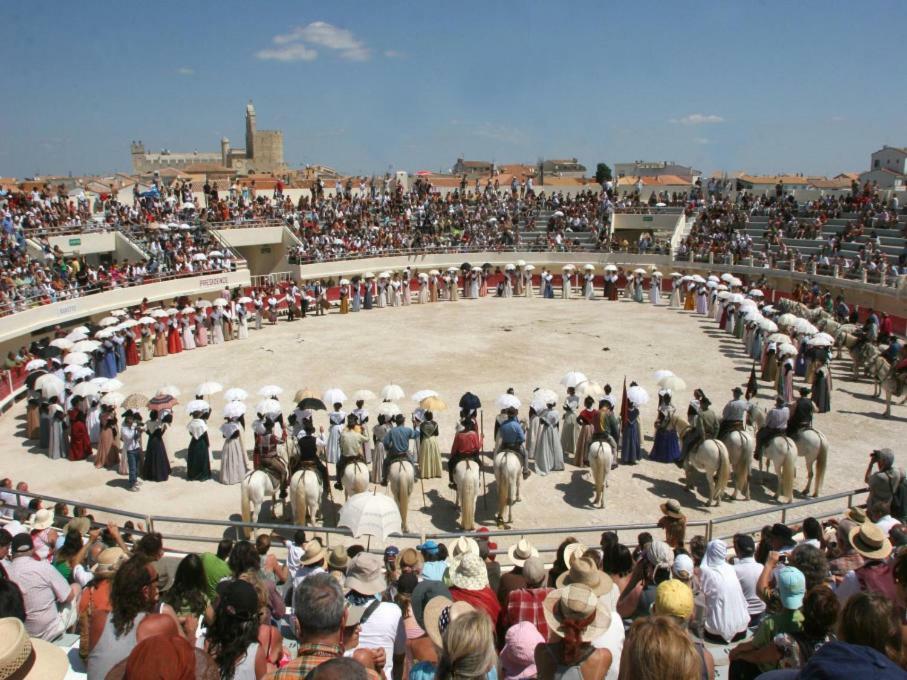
[
  {"x": 156, "y": 466},
  {"x": 630, "y": 449},
  {"x": 655, "y": 290},
  {"x": 198, "y": 458},
  {"x": 228, "y": 324},
  {"x": 108, "y": 451},
  {"x": 423, "y": 290},
  {"x": 638, "y": 288},
  {"x": 397, "y": 288},
  {"x": 58, "y": 441},
  {"x": 369, "y": 293},
  {"x": 378, "y": 433},
  {"x": 242, "y": 321},
  {"x": 147, "y": 343},
  {"x": 821, "y": 395},
  {"x": 474, "y": 285},
  {"x": 79, "y": 441},
  {"x": 585, "y": 419},
  {"x": 234, "y": 463},
  {"x": 217, "y": 324},
  {"x": 356, "y": 295},
  {"x": 549, "y": 456},
  {"x": 93, "y": 420},
  {"x": 33, "y": 415},
  {"x": 45, "y": 417},
  {"x": 201, "y": 329},
  {"x": 611, "y": 279},
  {"x": 454, "y": 287},
  {"x": 432, "y": 288},
  {"x": 337, "y": 419},
  {"x": 676, "y": 302},
  {"x": 132, "y": 350},
  {"x": 666, "y": 448},
  {"x": 588, "y": 285},
  {"x": 382, "y": 293},
  {"x": 569, "y": 430},
  {"x": 566, "y": 284},
  {"x": 110, "y": 359},
  {"x": 345, "y": 299},
  {"x": 160, "y": 339},
  {"x": 362, "y": 418},
  {"x": 702, "y": 300},
  {"x": 429, "y": 451},
  {"x": 689, "y": 302},
  {"x": 188, "y": 332},
  {"x": 174, "y": 341}
]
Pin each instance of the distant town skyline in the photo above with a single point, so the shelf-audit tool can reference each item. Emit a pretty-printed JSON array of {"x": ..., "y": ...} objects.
[{"x": 765, "y": 87}]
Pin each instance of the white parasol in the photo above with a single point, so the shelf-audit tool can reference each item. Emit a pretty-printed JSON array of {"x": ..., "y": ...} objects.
[
  {"x": 268, "y": 407},
  {"x": 110, "y": 385},
  {"x": 86, "y": 389},
  {"x": 423, "y": 394},
  {"x": 234, "y": 409},
  {"x": 673, "y": 383},
  {"x": 208, "y": 388},
  {"x": 506, "y": 401},
  {"x": 661, "y": 374},
  {"x": 785, "y": 349},
  {"x": 198, "y": 406},
  {"x": 236, "y": 394},
  {"x": 545, "y": 395},
  {"x": 388, "y": 409},
  {"x": 62, "y": 343},
  {"x": 270, "y": 391},
  {"x": 369, "y": 514},
  {"x": 113, "y": 399},
  {"x": 573, "y": 378},
  {"x": 363, "y": 395},
  {"x": 334, "y": 396},
  {"x": 392, "y": 392},
  {"x": 637, "y": 395},
  {"x": 35, "y": 364},
  {"x": 77, "y": 358},
  {"x": 170, "y": 390},
  {"x": 108, "y": 321},
  {"x": 50, "y": 386}
]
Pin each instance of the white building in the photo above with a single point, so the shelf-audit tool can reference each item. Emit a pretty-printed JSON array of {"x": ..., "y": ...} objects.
[{"x": 888, "y": 168}]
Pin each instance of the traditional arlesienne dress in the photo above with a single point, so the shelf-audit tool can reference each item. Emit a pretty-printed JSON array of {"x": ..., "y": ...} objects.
[
  {"x": 174, "y": 342},
  {"x": 33, "y": 415},
  {"x": 132, "y": 350},
  {"x": 588, "y": 287},
  {"x": 79, "y": 441},
  {"x": 508, "y": 284},
  {"x": 108, "y": 451},
  {"x": 637, "y": 288},
  {"x": 549, "y": 456},
  {"x": 110, "y": 360},
  {"x": 655, "y": 290},
  {"x": 356, "y": 297},
  {"x": 217, "y": 327},
  {"x": 676, "y": 302},
  {"x": 454, "y": 287},
  {"x": 547, "y": 279},
  {"x": 379, "y": 452},
  {"x": 569, "y": 430},
  {"x": 429, "y": 451},
  {"x": 527, "y": 283},
  {"x": 584, "y": 423},
  {"x": 423, "y": 291},
  {"x": 666, "y": 448},
  {"x": 198, "y": 459},
  {"x": 160, "y": 339},
  {"x": 407, "y": 288},
  {"x": 58, "y": 444},
  {"x": 242, "y": 316},
  {"x": 630, "y": 449},
  {"x": 93, "y": 421},
  {"x": 45, "y": 416},
  {"x": 610, "y": 286},
  {"x": 188, "y": 333},
  {"x": 518, "y": 281},
  {"x": 156, "y": 466},
  {"x": 689, "y": 303},
  {"x": 336, "y": 419},
  {"x": 566, "y": 284},
  {"x": 344, "y": 299},
  {"x": 147, "y": 344},
  {"x": 483, "y": 283},
  {"x": 821, "y": 393},
  {"x": 201, "y": 329},
  {"x": 234, "y": 463},
  {"x": 369, "y": 293},
  {"x": 474, "y": 285},
  {"x": 432, "y": 288},
  {"x": 382, "y": 293}
]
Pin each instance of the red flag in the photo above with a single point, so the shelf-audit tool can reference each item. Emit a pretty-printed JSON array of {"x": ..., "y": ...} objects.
[{"x": 624, "y": 406}]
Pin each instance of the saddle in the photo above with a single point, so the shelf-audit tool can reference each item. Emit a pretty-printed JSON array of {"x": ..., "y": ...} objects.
[
  {"x": 732, "y": 426},
  {"x": 350, "y": 460},
  {"x": 307, "y": 465}
]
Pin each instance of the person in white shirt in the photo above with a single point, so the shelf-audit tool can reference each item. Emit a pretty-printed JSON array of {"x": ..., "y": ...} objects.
[
  {"x": 726, "y": 610},
  {"x": 880, "y": 513},
  {"x": 748, "y": 570}
]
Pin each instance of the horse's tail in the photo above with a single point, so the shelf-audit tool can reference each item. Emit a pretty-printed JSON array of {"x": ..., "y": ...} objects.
[
  {"x": 404, "y": 488},
  {"x": 724, "y": 469},
  {"x": 821, "y": 461},
  {"x": 245, "y": 502},
  {"x": 468, "y": 488},
  {"x": 598, "y": 463},
  {"x": 788, "y": 469}
]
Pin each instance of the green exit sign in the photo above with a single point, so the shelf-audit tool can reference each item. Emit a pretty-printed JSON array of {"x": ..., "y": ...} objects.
[
  {"x": 647, "y": 218},
  {"x": 75, "y": 241}
]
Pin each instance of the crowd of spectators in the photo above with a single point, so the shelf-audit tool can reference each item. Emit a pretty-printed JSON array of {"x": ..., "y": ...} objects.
[{"x": 813, "y": 601}]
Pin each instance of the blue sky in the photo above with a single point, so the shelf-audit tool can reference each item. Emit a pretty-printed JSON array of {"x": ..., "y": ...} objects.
[{"x": 763, "y": 86}]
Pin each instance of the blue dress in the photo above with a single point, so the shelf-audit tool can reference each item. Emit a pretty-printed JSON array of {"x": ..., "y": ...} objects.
[
  {"x": 630, "y": 450},
  {"x": 667, "y": 445},
  {"x": 367, "y": 303},
  {"x": 110, "y": 361}
]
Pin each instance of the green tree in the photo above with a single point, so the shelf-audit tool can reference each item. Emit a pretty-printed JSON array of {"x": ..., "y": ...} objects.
[{"x": 602, "y": 173}]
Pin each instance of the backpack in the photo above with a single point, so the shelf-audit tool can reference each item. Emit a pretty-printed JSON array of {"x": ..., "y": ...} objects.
[{"x": 899, "y": 499}]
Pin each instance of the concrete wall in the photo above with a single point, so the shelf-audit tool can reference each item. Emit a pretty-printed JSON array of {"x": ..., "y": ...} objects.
[
  {"x": 265, "y": 249},
  {"x": 653, "y": 223},
  {"x": 111, "y": 243}
]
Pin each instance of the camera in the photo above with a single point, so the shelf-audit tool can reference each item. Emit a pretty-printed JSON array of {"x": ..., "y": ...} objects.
[{"x": 782, "y": 559}]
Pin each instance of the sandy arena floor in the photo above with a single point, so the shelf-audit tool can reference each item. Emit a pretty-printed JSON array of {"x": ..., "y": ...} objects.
[{"x": 485, "y": 347}]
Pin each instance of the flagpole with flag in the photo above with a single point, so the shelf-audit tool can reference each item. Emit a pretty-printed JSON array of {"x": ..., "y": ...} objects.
[{"x": 752, "y": 385}]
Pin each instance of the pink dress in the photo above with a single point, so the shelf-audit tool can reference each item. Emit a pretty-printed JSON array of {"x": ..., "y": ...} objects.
[{"x": 201, "y": 333}]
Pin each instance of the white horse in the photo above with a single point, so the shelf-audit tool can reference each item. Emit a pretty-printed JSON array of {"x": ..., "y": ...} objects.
[
  {"x": 781, "y": 452},
  {"x": 507, "y": 471},
  {"x": 740, "y": 446},
  {"x": 711, "y": 458},
  {"x": 466, "y": 476},
  {"x": 355, "y": 478},
  {"x": 886, "y": 380},
  {"x": 255, "y": 487},
  {"x": 401, "y": 476},
  {"x": 305, "y": 496},
  {"x": 813, "y": 446},
  {"x": 600, "y": 456}
]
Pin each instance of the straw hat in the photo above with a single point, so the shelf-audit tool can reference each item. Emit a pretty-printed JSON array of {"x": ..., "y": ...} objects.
[
  {"x": 583, "y": 570},
  {"x": 671, "y": 508},
  {"x": 365, "y": 574},
  {"x": 25, "y": 657},
  {"x": 108, "y": 561},
  {"x": 439, "y": 612},
  {"x": 338, "y": 559},
  {"x": 409, "y": 558},
  {"x": 576, "y": 602},
  {"x": 313, "y": 553},
  {"x": 423, "y": 593},
  {"x": 521, "y": 552},
  {"x": 573, "y": 551},
  {"x": 43, "y": 519},
  {"x": 870, "y": 541},
  {"x": 470, "y": 573},
  {"x": 462, "y": 546},
  {"x": 857, "y": 514}
]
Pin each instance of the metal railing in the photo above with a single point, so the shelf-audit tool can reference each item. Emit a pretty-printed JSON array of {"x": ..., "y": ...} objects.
[{"x": 153, "y": 523}]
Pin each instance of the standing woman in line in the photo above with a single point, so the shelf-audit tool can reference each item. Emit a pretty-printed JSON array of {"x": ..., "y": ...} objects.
[
  {"x": 356, "y": 296},
  {"x": 337, "y": 419},
  {"x": 132, "y": 350},
  {"x": 676, "y": 302},
  {"x": 188, "y": 332},
  {"x": 174, "y": 343},
  {"x": 234, "y": 463},
  {"x": 147, "y": 343},
  {"x": 429, "y": 451},
  {"x": 217, "y": 326},
  {"x": 474, "y": 282},
  {"x": 423, "y": 289},
  {"x": 518, "y": 281},
  {"x": 259, "y": 307},
  {"x": 369, "y": 292},
  {"x": 344, "y": 298},
  {"x": 630, "y": 447},
  {"x": 108, "y": 451},
  {"x": 655, "y": 288},
  {"x": 58, "y": 445},
  {"x": 382, "y": 292},
  {"x": 433, "y": 287},
  {"x": 156, "y": 466},
  {"x": 242, "y": 318},
  {"x": 198, "y": 458},
  {"x": 160, "y": 338},
  {"x": 589, "y": 284},
  {"x": 378, "y": 433}
]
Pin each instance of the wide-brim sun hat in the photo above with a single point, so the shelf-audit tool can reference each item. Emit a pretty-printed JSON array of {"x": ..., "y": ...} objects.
[
  {"x": 469, "y": 573},
  {"x": 365, "y": 574},
  {"x": 25, "y": 657},
  {"x": 439, "y": 613},
  {"x": 672, "y": 508},
  {"x": 583, "y": 571},
  {"x": 462, "y": 546},
  {"x": 870, "y": 541},
  {"x": 108, "y": 562},
  {"x": 313, "y": 552},
  {"x": 424, "y": 593},
  {"x": 43, "y": 519},
  {"x": 576, "y": 602},
  {"x": 521, "y": 551}
]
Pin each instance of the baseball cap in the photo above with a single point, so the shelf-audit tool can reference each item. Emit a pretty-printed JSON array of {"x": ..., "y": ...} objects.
[
  {"x": 745, "y": 545},
  {"x": 429, "y": 546},
  {"x": 21, "y": 543},
  {"x": 674, "y": 598},
  {"x": 391, "y": 552},
  {"x": 791, "y": 587}
]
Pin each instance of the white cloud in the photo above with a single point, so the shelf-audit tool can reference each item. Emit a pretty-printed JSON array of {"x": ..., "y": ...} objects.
[
  {"x": 701, "y": 140},
  {"x": 185, "y": 71},
  {"x": 698, "y": 119},
  {"x": 393, "y": 54},
  {"x": 297, "y": 52},
  {"x": 322, "y": 34}
]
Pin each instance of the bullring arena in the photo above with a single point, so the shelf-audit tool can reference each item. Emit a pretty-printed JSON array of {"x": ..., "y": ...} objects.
[{"x": 484, "y": 346}]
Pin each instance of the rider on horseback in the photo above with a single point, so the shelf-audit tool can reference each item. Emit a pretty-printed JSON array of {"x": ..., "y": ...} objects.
[
  {"x": 514, "y": 439},
  {"x": 801, "y": 417},
  {"x": 352, "y": 442},
  {"x": 605, "y": 425},
  {"x": 703, "y": 425},
  {"x": 775, "y": 425},
  {"x": 467, "y": 445},
  {"x": 396, "y": 443},
  {"x": 733, "y": 417},
  {"x": 307, "y": 455},
  {"x": 268, "y": 434}
]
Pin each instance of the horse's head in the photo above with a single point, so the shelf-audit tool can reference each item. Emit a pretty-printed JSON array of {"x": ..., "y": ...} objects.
[{"x": 757, "y": 416}]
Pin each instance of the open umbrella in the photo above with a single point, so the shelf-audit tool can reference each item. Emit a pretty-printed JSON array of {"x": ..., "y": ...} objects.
[
  {"x": 234, "y": 409},
  {"x": 423, "y": 394},
  {"x": 203, "y": 304},
  {"x": 778, "y": 337},
  {"x": 805, "y": 327},
  {"x": 198, "y": 406},
  {"x": 334, "y": 396},
  {"x": 75, "y": 336},
  {"x": 108, "y": 321},
  {"x": 145, "y": 320},
  {"x": 313, "y": 404},
  {"x": 821, "y": 340},
  {"x": 785, "y": 349},
  {"x": 235, "y": 394},
  {"x": 158, "y": 313},
  {"x": 50, "y": 386},
  {"x": 33, "y": 377},
  {"x": 369, "y": 514},
  {"x": 161, "y": 402},
  {"x": 35, "y": 364},
  {"x": 303, "y": 393},
  {"x": 470, "y": 402},
  {"x": 76, "y": 358},
  {"x": 592, "y": 389},
  {"x": 610, "y": 267},
  {"x": 663, "y": 373},
  {"x": 110, "y": 385},
  {"x": 786, "y": 319},
  {"x": 86, "y": 389},
  {"x": 220, "y": 302},
  {"x": 268, "y": 407},
  {"x": 244, "y": 300},
  {"x": 433, "y": 404},
  {"x": 86, "y": 346},
  {"x": 392, "y": 392},
  {"x": 114, "y": 399},
  {"x": 388, "y": 409},
  {"x": 170, "y": 390},
  {"x": 270, "y": 391},
  {"x": 135, "y": 400},
  {"x": 672, "y": 382},
  {"x": 506, "y": 401},
  {"x": 573, "y": 378},
  {"x": 364, "y": 395},
  {"x": 545, "y": 395},
  {"x": 206, "y": 389},
  {"x": 61, "y": 343},
  {"x": 637, "y": 395},
  {"x": 767, "y": 325}
]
